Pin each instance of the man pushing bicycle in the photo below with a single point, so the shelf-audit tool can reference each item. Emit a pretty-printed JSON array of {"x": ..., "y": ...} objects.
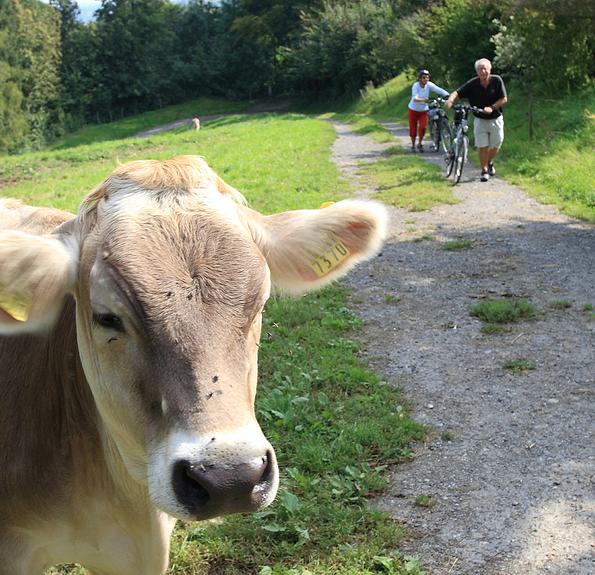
[{"x": 487, "y": 92}]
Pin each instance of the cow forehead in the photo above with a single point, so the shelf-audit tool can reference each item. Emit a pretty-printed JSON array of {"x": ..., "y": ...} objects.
[
  {"x": 200, "y": 252},
  {"x": 132, "y": 200}
]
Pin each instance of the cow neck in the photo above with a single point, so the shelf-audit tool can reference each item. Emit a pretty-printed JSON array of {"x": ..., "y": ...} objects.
[{"x": 54, "y": 420}]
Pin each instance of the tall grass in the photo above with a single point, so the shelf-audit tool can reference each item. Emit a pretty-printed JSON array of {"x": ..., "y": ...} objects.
[
  {"x": 558, "y": 164},
  {"x": 504, "y": 310}
]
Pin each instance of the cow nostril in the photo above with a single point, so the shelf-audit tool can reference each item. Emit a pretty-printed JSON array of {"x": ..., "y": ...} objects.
[
  {"x": 187, "y": 485},
  {"x": 267, "y": 472}
]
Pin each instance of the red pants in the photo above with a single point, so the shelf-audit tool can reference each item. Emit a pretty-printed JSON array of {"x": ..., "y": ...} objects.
[{"x": 414, "y": 118}]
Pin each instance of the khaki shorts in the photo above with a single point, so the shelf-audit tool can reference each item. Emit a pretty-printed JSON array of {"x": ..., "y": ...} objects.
[{"x": 488, "y": 133}]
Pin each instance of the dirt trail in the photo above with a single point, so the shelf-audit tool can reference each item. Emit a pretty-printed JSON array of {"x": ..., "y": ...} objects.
[
  {"x": 263, "y": 107},
  {"x": 184, "y": 123},
  {"x": 509, "y": 466}
]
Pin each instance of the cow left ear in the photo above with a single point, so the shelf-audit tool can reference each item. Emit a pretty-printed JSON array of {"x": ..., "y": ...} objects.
[
  {"x": 36, "y": 272},
  {"x": 306, "y": 249}
]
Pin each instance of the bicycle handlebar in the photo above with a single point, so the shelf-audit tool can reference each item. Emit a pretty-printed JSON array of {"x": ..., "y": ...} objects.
[
  {"x": 467, "y": 108},
  {"x": 436, "y": 102}
]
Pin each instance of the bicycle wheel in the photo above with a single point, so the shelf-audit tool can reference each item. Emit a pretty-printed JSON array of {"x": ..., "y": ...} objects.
[
  {"x": 449, "y": 162},
  {"x": 445, "y": 136},
  {"x": 434, "y": 134},
  {"x": 461, "y": 149}
]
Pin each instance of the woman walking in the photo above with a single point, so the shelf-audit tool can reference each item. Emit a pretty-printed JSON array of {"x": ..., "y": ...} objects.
[{"x": 418, "y": 107}]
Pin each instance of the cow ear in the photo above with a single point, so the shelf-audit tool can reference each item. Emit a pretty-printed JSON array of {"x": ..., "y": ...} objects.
[
  {"x": 306, "y": 249},
  {"x": 36, "y": 272}
]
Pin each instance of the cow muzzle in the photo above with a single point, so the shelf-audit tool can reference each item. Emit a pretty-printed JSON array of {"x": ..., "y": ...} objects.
[
  {"x": 208, "y": 488},
  {"x": 197, "y": 477}
]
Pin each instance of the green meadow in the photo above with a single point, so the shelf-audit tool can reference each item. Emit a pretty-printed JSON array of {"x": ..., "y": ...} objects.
[
  {"x": 132, "y": 125},
  {"x": 278, "y": 162}
]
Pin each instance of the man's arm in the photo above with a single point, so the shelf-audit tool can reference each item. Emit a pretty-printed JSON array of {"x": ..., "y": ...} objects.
[
  {"x": 451, "y": 100},
  {"x": 496, "y": 105},
  {"x": 501, "y": 91}
]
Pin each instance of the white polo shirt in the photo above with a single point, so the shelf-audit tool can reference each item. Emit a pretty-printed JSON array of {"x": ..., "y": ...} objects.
[{"x": 424, "y": 92}]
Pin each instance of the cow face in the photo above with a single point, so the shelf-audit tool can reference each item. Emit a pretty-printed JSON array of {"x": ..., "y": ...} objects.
[
  {"x": 169, "y": 322},
  {"x": 170, "y": 273}
]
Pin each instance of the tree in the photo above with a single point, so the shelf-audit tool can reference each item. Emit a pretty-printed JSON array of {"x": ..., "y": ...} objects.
[
  {"x": 253, "y": 34},
  {"x": 30, "y": 56},
  {"x": 199, "y": 48},
  {"x": 77, "y": 77},
  {"x": 458, "y": 32},
  {"x": 342, "y": 46},
  {"x": 135, "y": 48},
  {"x": 547, "y": 43},
  {"x": 547, "y": 46},
  {"x": 13, "y": 124}
]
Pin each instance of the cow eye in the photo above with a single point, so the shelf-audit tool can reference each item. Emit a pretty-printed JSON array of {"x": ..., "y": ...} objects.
[{"x": 108, "y": 321}]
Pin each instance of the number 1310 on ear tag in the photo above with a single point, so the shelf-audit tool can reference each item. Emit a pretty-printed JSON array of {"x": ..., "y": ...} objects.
[{"x": 331, "y": 258}]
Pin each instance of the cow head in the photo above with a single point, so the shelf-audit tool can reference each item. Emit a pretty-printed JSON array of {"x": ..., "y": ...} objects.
[{"x": 170, "y": 272}]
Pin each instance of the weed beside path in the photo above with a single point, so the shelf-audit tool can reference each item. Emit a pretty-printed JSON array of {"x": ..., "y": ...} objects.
[{"x": 509, "y": 466}]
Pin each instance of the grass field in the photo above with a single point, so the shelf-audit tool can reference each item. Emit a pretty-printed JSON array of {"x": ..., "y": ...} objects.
[
  {"x": 131, "y": 125},
  {"x": 335, "y": 425},
  {"x": 277, "y": 162},
  {"x": 407, "y": 181}
]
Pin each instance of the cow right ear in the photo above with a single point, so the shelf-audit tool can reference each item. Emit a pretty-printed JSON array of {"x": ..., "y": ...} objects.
[{"x": 36, "y": 272}]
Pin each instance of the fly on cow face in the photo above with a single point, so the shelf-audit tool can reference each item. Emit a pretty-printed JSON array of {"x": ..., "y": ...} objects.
[{"x": 193, "y": 287}]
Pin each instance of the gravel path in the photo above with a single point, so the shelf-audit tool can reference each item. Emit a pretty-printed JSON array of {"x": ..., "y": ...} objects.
[{"x": 509, "y": 462}]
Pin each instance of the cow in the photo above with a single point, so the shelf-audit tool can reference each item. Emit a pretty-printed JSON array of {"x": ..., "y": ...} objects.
[{"x": 129, "y": 336}]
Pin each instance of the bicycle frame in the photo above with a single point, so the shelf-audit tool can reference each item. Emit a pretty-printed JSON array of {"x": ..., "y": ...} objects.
[{"x": 456, "y": 160}]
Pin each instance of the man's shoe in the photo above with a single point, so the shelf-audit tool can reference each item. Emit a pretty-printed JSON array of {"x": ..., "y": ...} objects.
[
  {"x": 491, "y": 169},
  {"x": 413, "y": 147},
  {"x": 485, "y": 176},
  {"x": 420, "y": 148}
]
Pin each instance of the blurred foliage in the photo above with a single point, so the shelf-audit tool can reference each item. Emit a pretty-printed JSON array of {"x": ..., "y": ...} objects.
[
  {"x": 547, "y": 44},
  {"x": 58, "y": 73},
  {"x": 30, "y": 109}
]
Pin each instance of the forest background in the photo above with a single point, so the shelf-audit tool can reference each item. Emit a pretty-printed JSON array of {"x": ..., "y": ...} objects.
[{"x": 58, "y": 73}]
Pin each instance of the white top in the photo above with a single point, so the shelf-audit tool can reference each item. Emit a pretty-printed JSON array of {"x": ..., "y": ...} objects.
[{"x": 418, "y": 91}]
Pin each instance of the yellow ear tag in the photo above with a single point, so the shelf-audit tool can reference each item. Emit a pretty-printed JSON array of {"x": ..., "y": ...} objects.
[
  {"x": 16, "y": 307},
  {"x": 331, "y": 258},
  {"x": 326, "y": 204}
]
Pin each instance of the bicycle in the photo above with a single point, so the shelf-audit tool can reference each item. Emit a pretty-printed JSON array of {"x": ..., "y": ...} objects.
[
  {"x": 440, "y": 131},
  {"x": 455, "y": 160}
]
